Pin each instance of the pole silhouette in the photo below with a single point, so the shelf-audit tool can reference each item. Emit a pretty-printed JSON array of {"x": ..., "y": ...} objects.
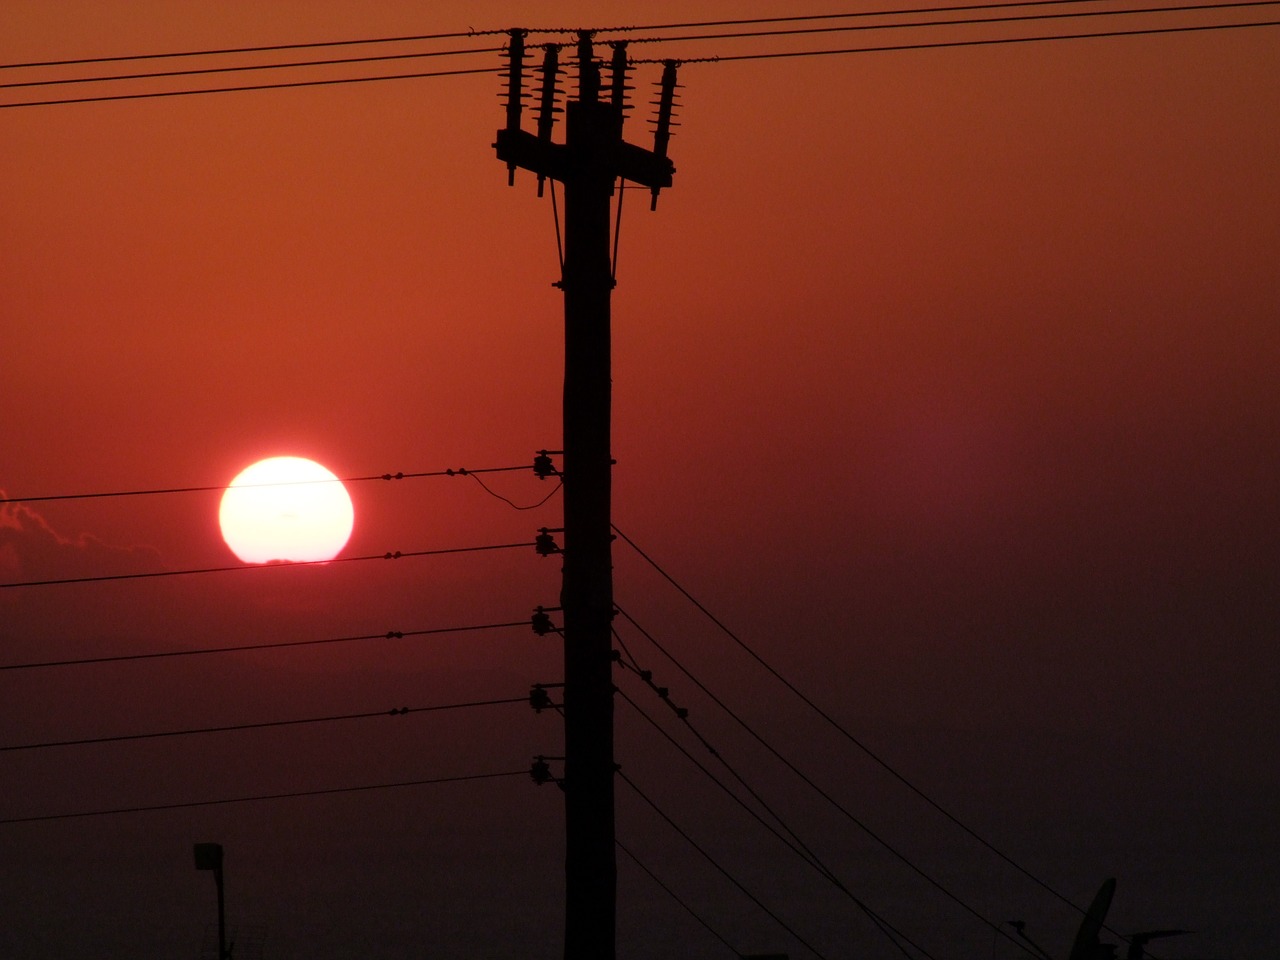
[{"x": 592, "y": 159}]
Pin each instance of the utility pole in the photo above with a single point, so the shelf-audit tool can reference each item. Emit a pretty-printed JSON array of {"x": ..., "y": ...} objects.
[{"x": 589, "y": 163}]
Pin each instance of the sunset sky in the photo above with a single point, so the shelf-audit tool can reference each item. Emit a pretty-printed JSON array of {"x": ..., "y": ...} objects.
[{"x": 945, "y": 378}]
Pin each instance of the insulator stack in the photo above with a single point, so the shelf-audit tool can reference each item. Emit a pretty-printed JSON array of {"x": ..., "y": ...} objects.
[
  {"x": 514, "y": 88},
  {"x": 551, "y": 91},
  {"x": 618, "y": 69},
  {"x": 588, "y": 69},
  {"x": 666, "y": 104}
]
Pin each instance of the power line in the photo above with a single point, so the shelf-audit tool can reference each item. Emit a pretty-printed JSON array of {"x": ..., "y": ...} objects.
[
  {"x": 809, "y": 782},
  {"x": 283, "y": 47},
  {"x": 840, "y": 728},
  {"x": 953, "y": 44},
  {"x": 346, "y": 61},
  {"x": 973, "y": 21},
  {"x": 751, "y": 56},
  {"x": 511, "y": 503},
  {"x": 672, "y": 894},
  {"x": 748, "y": 21},
  {"x": 396, "y": 555},
  {"x": 792, "y": 843},
  {"x": 263, "y": 796},
  {"x": 394, "y": 712},
  {"x": 273, "y": 48},
  {"x": 725, "y": 873},
  {"x": 257, "y": 86},
  {"x": 795, "y": 843},
  {"x": 202, "y": 71},
  {"x": 399, "y": 475},
  {"x": 388, "y": 635},
  {"x": 798, "y": 847}
]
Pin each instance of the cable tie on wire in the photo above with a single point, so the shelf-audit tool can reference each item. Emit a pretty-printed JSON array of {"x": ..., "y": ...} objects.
[
  {"x": 392, "y": 556},
  {"x": 393, "y": 476},
  {"x": 398, "y": 711},
  {"x": 394, "y": 635}
]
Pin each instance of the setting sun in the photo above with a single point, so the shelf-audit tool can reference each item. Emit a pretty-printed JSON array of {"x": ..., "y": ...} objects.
[{"x": 286, "y": 509}]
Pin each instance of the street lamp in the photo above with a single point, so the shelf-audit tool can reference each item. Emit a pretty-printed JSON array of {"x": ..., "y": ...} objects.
[{"x": 209, "y": 857}]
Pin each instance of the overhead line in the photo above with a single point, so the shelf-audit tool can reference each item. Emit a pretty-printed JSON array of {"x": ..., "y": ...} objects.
[
  {"x": 894, "y": 48},
  {"x": 975, "y": 21},
  {"x": 150, "y": 808},
  {"x": 952, "y": 44},
  {"x": 745, "y": 21},
  {"x": 840, "y": 728},
  {"x": 792, "y": 843},
  {"x": 257, "y": 86},
  {"x": 712, "y": 860},
  {"x": 246, "y": 68},
  {"x": 397, "y": 555},
  {"x": 283, "y": 47},
  {"x": 450, "y": 472},
  {"x": 673, "y": 895},
  {"x": 272, "y": 48},
  {"x": 395, "y": 712},
  {"x": 238, "y": 648},
  {"x": 798, "y": 847},
  {"x": 809, "y": 782}
]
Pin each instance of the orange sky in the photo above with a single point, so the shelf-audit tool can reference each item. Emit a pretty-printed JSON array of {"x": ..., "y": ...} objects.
[{"x": 947, "y": 378}]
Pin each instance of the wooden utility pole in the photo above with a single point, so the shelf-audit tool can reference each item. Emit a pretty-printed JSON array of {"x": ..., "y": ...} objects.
[{"x": 589, "y": 163}]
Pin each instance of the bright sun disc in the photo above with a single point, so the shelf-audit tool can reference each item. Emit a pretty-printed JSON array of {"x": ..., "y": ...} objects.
[{"x": 286, "y": 509}]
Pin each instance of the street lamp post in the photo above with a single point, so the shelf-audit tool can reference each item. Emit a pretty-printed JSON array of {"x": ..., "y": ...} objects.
[{"x": 209, "y": 857}]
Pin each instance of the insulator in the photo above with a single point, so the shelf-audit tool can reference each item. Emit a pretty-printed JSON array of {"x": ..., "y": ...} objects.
[
  {"x": 547, "y": 109},
  {"x": 515, "y": 78},
  {"x": 666, "y": 101},
  {"x": 545, "y": 544},
  {"x": 543, "y": 466},
  {"x": 539, "y": 699},
  {"x": 618, "y": 68},
  {"x": 515, "y": 89},
  {"x": 541, "y": 622}
]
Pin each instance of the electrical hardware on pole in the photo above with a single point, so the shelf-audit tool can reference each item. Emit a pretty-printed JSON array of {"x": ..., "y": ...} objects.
[{"x": 589, "y": 163}]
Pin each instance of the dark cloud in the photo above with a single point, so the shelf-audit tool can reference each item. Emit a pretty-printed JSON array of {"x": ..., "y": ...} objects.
[{"x": 32, "y": 550}]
